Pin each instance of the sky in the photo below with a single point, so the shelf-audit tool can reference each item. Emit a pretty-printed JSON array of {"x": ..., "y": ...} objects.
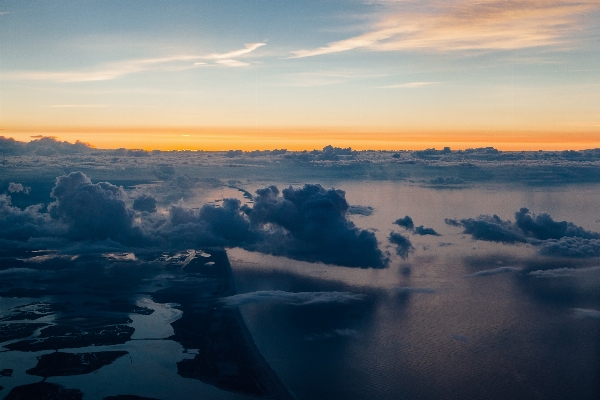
[{"x": 264, "y": 74}]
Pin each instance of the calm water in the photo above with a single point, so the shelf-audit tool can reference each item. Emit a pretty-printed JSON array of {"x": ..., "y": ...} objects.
[{"x": 453, "y": 335}]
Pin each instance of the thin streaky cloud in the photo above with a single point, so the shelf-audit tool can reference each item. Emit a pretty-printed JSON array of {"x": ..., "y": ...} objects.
[
  {"x": 409, "y": 85},
  {"x": 79, "y": 106},
  {"x": 467, "y": 26},
  {"x": 232, "y": 63},
  {"x": 249, "y": 47},
  {"x": 116, "y": 70}
]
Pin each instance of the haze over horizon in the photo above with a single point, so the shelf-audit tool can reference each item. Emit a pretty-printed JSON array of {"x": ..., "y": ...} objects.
[{"x": 515, "y": 75}]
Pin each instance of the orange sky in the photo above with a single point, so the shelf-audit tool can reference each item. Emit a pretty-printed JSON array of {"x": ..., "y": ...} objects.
[
  {"x": 250, "y": 74},
  {"x": 215, "y": 139}
]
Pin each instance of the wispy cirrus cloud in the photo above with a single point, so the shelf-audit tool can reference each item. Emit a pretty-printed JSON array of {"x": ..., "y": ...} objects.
[
  {"x": 408, "y": 85},
  {"x": 467, "y": 25},
  {"x": 249, "y": 47},
  {"x": 232, "y": 63},
  {"x": 78, "y": 106},
  {"x": 116, "y": 70}
]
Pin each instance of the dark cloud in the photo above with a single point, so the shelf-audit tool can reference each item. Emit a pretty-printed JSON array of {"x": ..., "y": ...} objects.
[
  {"x": 292, "y": 298},
  {"x": 18, "y": 188},
  {"x": 360, "y": 210},
  {"x": 543, "y": 227},
  {"x": 93, "y": 211},
  {"x": 555, "y": 238},
  {"x": 310, "y": 223},
  {"x": 405, "y": 222},
  {"x": 21, "y": 225},
  {"x": 403, "y": 244},
  {"x": 145, "y": 203},
  {"x": 210, "y": 226},
  {"x": 492, "y": 228},
  {"x": 452, "y": 222},
  {"x": 41, "y": 146},
  {"x": 420, "y": 230},
  {"x": 571, "y": 247}
]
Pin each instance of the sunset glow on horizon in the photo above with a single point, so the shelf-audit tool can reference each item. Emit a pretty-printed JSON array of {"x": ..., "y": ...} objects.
[{"x": 515, "y": 75}]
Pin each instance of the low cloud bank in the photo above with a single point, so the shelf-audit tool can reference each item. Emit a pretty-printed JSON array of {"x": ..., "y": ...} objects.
[
  {"x": 292, "y": 298},
  {"x": 554, "y": 238},
  {"x": 494, "y": 271},
  {"x": 307, "y": 223}
]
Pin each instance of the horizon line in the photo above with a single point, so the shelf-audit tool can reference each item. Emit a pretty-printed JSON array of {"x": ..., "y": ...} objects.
[{"x": 438, "y": 146}]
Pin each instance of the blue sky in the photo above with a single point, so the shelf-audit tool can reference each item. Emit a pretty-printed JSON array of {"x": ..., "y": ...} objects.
[{"x": 395, "y": 66}]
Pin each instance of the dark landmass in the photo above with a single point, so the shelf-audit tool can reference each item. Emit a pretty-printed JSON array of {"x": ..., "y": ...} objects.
[
  {"x": 6, "y": 372},
  {"x": 33, "y": 311},
  {"x": 65, "y": 364},
  {"x": 43, "y": 391},
  {"x": 227, "y": 357},
  {"x": 18, "y": 331},
  {"x": 61, "y": 337},
  {"x": 102, "y": 292}
]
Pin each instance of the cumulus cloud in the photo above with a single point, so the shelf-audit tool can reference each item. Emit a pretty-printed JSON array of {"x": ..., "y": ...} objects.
[
  {"x": 543, "y": 227},
  {"x": 310, "y": 223},
  {"x": 421, "y": 230},
  {"x": 226, "y": 225},
  {"x": 145, "y": 203},
  {"x": 360, "y": 210},
  {"x": 492, "y": 228},
  {"x": 292, "y": 298},
  {"x": 571, "y": 247},
  {"x": 42, "y": 146},
  {"x": 494, "y": 271},
  {"x": 452, "y": 222},
  {"x": 405, "y": 222},
  {"x": 18, "y": 188},
  {"x": 408, "y": 224},
  {"x": 21, "y": 225},
  {"x": 93, "y": 211},
  {"x": 403, "y": 244},
  {"x": 554, "y": 238}
]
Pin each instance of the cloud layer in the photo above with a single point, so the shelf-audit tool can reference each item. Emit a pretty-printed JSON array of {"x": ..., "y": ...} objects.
[
  {"x": 555, "y": 238},
  {"x": 292, "y": 298},
  {"x": 307, "y": 223}
]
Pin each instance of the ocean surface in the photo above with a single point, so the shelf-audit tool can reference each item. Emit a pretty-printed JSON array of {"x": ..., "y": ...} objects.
[{"x": 459, "y": 318}]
